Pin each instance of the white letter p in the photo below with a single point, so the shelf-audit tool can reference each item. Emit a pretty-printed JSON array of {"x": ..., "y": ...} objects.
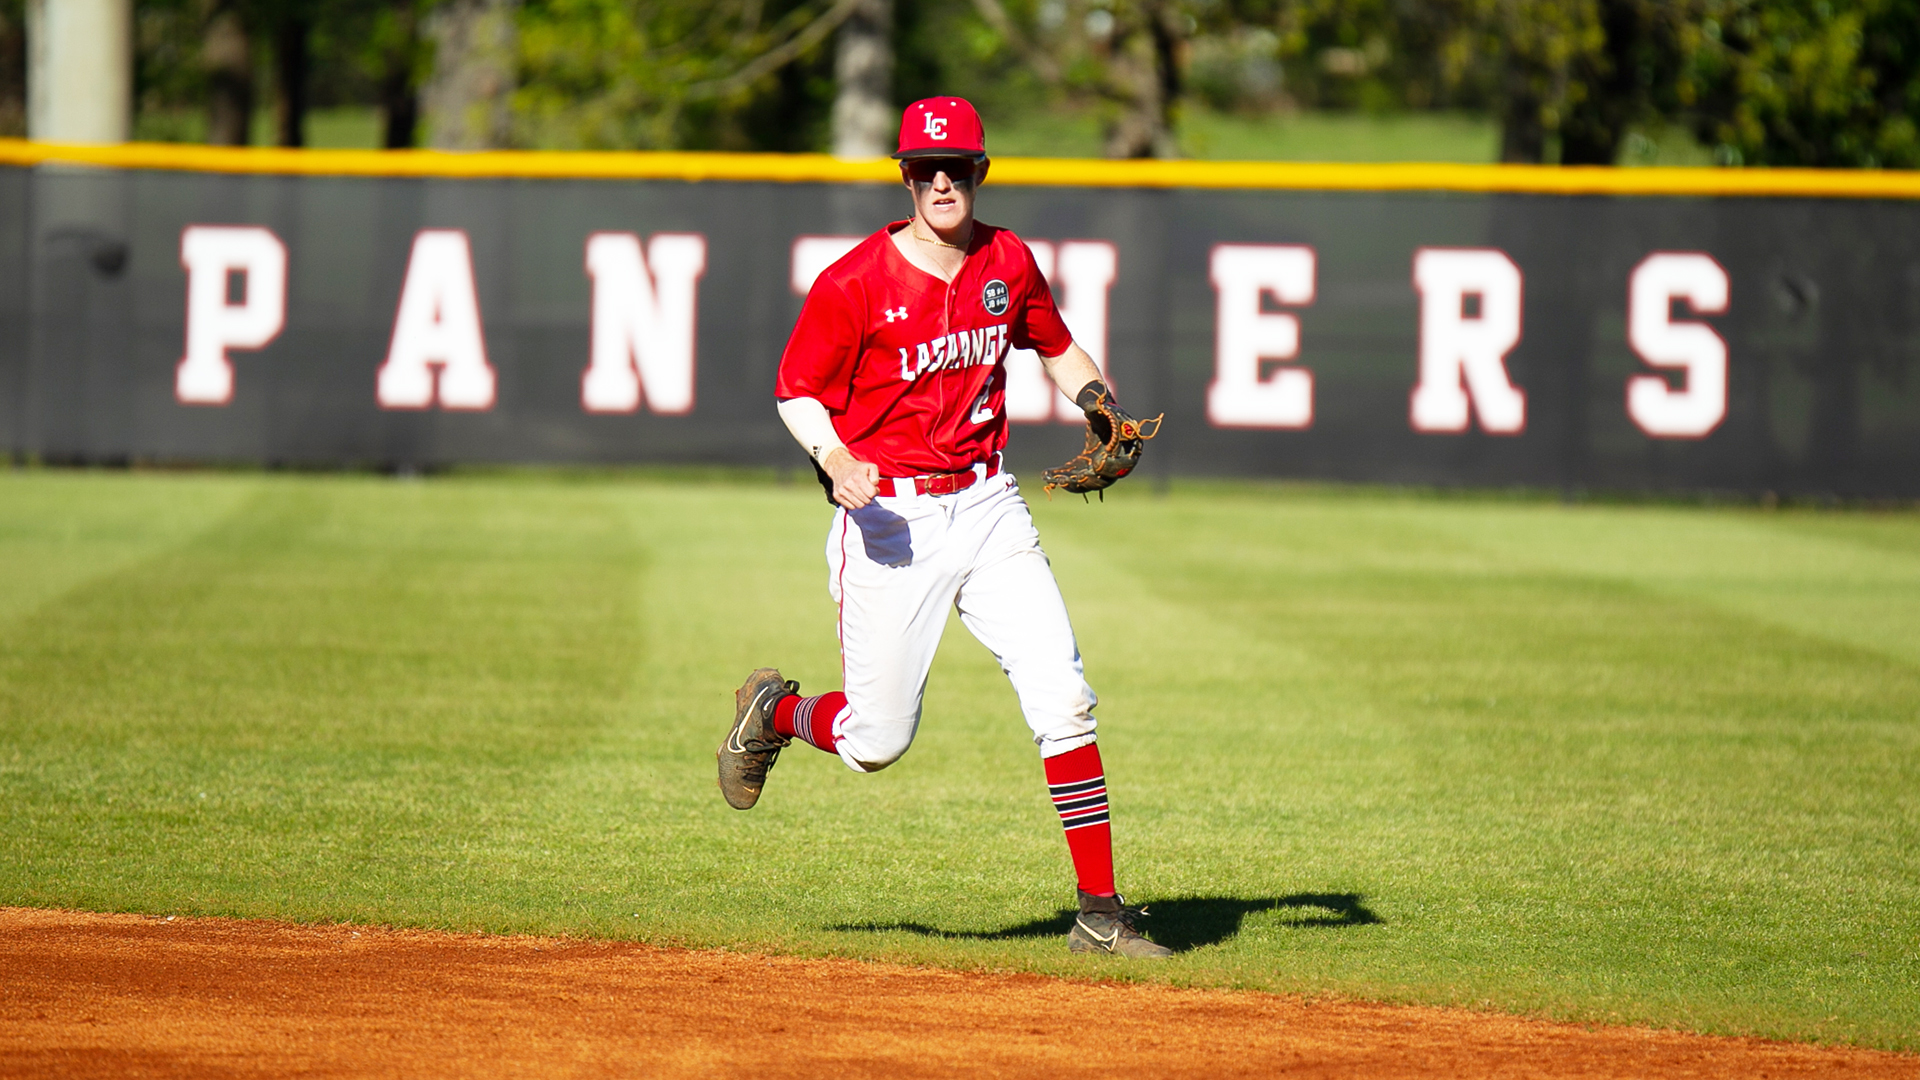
[{"x": 210, "y": 254}]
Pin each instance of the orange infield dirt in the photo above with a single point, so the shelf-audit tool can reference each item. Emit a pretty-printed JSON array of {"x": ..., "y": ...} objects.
[{"x": 134, "y": 996}]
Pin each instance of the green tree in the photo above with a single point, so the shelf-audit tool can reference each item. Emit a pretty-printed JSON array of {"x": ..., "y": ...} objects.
[
  {"x": 1779, "y": 82},
  {"x": 735, "y": 74},
  {"x": 1569, "y": 78},
  {"x": 1804, "y": 82},
  {"x": 1566, "y": 78},
  {"x": 223, "y": 58}
]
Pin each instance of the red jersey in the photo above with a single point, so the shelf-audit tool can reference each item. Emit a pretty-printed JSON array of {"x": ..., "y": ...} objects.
[{"x": 911, "y": 368}]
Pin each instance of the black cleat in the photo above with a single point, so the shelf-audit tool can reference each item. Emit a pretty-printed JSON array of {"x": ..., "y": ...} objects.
[
  {"x": 752, "y": 746},
  {"x": 1106, "y": 925}
]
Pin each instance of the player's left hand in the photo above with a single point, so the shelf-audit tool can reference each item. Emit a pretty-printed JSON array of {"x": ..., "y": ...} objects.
[
  {"x": 1114, "y": 443},
  {"x": 855, "y": 483}
]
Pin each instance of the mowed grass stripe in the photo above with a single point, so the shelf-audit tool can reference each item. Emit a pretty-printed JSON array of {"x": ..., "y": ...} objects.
[
  {"x": 320, "y": 709},
  {"x": 1582, "y": 787},
  {"x": 1606, "y": 763},
  {"x": 60, "y": 531}
]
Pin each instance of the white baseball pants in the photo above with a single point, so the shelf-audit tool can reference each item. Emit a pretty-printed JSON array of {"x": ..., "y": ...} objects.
[{"x": 895, "y": 565}]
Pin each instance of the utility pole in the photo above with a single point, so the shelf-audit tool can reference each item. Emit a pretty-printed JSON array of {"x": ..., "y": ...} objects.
[{"x": 80, "y": 70}]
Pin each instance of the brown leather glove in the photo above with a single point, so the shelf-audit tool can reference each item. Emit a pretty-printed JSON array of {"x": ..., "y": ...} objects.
[{"x": 1114, "y": 443}]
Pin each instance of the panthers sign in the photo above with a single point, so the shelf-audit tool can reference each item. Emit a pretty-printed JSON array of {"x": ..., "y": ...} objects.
[{"x": 1480, "y": 328}]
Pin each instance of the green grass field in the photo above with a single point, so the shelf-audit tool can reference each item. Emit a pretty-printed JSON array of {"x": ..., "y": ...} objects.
[{"x": 1653, "y": 764}]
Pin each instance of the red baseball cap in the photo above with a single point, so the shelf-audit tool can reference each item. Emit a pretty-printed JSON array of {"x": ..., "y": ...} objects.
[{"x": 941, "y": 127}]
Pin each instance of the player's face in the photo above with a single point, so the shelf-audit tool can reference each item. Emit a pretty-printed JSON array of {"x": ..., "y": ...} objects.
[{"x": 943, "y": 189}]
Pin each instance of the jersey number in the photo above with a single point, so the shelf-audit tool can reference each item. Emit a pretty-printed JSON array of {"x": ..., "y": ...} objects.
[{"x": 982, "y": 412}]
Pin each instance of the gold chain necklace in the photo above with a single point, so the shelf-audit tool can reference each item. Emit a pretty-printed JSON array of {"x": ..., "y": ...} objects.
[{"x": 936, "y": 241}]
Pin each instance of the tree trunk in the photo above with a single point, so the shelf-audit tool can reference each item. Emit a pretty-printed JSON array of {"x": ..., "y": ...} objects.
[
  {"x": 468, "y": 101},
  {"x": 864, "y": 119},
  {"x": 1523, "y": 138},
  {"x": 290, "y": 66},
  {"x": 228, "y": 54},
  {"x": 399, "y": 91},
  {"x": 1589, "y": 140},
  {"x": 1144, "y": 67},
  {"x": 401, "y": 105},
  {"x": 1591, "y": 133},
  {"x": 13, "y": 76}
]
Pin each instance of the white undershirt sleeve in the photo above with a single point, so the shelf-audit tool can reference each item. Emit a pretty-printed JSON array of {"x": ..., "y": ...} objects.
[{"x": 812, "y": 428}]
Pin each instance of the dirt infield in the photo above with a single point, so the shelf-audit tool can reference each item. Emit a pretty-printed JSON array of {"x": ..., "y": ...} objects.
[{"x": 134, "y": 996}]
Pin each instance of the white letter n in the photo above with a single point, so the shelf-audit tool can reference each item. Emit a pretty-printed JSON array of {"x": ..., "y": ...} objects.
[
  {"x": 642, "y": 334},
  {"x": 438, "y": 325}
]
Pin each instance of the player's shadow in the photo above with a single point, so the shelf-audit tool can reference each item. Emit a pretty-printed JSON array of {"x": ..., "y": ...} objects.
[{"x": 1182, "y": 924}]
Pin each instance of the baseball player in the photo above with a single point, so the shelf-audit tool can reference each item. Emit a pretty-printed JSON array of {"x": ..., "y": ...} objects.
[{"x": 893, "y": 383}]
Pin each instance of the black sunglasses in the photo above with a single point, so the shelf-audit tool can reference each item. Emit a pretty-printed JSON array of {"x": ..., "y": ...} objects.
[{"x": 958, "y": 170}]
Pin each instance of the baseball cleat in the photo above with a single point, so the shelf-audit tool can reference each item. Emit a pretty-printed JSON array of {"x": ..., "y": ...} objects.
[
  {"x": 1106, "y": 925},
  {"x": 752, "y": 746}
]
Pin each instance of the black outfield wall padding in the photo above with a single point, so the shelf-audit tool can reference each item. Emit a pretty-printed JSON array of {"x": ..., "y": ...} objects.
[{"x": 1656, "y": 342}]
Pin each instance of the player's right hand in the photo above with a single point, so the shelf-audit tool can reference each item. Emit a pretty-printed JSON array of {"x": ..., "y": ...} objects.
[{"x": 855, "y": 482}]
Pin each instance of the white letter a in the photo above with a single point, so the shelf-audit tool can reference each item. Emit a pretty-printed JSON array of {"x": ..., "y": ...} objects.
[{"x": 438, "y": 325}]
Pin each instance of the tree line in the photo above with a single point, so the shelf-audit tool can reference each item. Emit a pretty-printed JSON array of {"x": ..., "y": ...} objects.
[{"x": 1759, "y": 82}]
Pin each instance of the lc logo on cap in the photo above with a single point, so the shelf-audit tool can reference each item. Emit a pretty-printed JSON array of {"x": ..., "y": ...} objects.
[{"x": 941, "y": 127}]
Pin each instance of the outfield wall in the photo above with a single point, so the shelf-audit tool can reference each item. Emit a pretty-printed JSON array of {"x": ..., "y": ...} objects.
[{"x": 1648, "y": 329}]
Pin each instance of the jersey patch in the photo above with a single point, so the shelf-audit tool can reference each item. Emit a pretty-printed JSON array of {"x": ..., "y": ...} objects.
[{"x": 994, "y": 297}]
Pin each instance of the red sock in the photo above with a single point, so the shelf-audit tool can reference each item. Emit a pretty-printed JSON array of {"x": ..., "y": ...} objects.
[
  {"x": 1078, "y": 784},
  {"x": 810, "y": 719}
]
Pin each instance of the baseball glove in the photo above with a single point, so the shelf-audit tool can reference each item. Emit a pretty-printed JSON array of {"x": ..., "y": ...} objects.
[{"x": 1114, "y": 443}]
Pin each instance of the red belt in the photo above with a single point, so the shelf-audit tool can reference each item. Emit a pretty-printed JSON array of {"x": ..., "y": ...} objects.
[{"x": 938, "y": 483}]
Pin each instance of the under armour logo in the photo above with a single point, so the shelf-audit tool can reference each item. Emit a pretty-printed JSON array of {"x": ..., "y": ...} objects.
[
  {"x": 896, "y": 313},
  {"x": 936, "y": 126}
]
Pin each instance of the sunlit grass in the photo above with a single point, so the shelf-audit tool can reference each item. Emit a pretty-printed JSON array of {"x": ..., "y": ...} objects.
[{"x": 1610, "y": 763}]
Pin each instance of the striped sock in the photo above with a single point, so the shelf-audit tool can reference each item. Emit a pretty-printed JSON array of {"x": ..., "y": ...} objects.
[
  {"x": 810, "y": 720},
  {"x": 1078, "y": 783}
]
